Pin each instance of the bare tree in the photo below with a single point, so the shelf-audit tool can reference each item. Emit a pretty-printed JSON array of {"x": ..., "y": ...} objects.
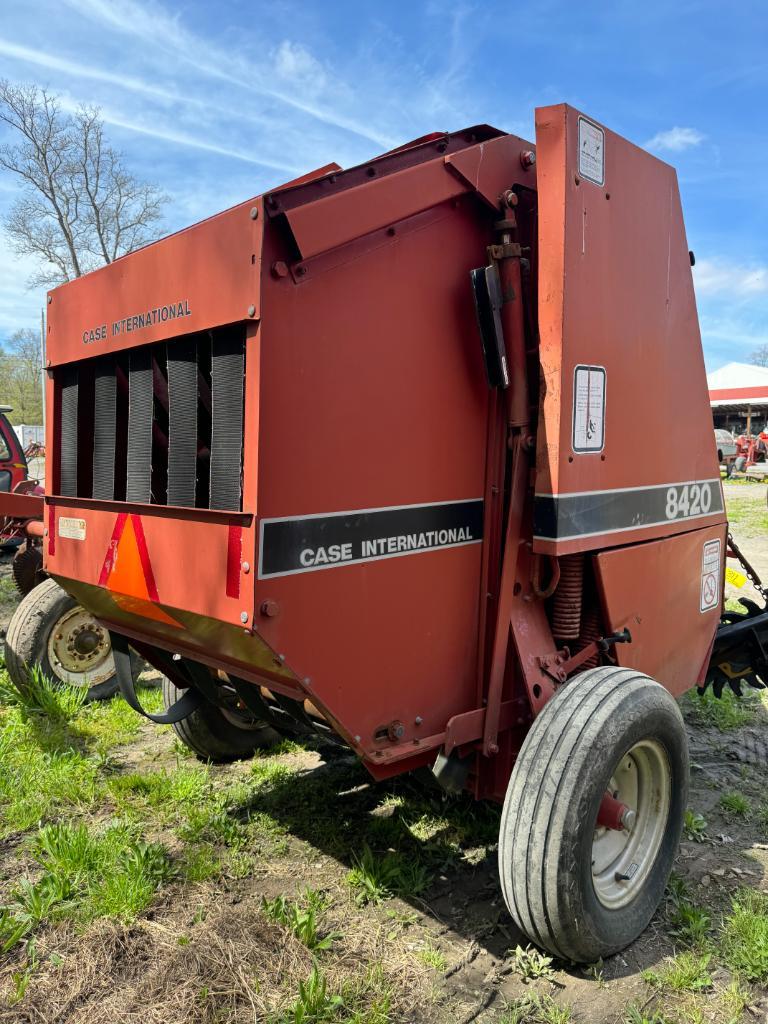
[
  {"x": 20, "y": 376},
  {"x": 760, "y": 356},
  {"x": 80, "y": 206}
]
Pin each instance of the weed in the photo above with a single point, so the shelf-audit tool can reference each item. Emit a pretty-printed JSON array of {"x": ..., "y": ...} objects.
[
  {"x": 695, "y": 826},
  {"x": 314, "y": 1005},
  {"x": 12, "y": 929},
  {"x": 374, "y": 879},
  {"x": 735, "y": 804},
  {"x": 200, "y": 862},
  {"x": 529, "y": 963},
  {"x": 687, "y": 972},
  {"x": 536, "y": 1009},
  {"x": 432, "y": 957},
  {"x": 744, "y": 941},
  {"x": 690, "y": 924},
  {"x": 301, "y": 919}
]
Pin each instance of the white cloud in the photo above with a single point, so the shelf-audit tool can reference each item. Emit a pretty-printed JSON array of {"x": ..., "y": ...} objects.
[
  {"x": 717, "y": 277},
  {"x": 676, "y": 139}
]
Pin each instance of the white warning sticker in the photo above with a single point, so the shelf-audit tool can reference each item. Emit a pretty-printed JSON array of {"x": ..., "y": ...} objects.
[
  {"x": 588, "y": 409},
  {"x": 591, "y": 151},
  {"x": 710, "y": 576},
  {"x": 73, "y": 529}
]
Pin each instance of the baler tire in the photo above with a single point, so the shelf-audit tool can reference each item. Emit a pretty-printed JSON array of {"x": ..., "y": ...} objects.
[
  {"x": 208, "y": 733},
  {"x": 574, "y": 750},
  {"x": 31, "y": 641}
]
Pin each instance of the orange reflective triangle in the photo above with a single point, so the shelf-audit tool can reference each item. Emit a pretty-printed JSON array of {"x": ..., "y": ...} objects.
[{"x": 127, "y": 571}]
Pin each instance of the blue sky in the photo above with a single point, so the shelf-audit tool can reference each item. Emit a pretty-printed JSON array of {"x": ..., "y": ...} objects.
[{"x": 217, "y": 102}]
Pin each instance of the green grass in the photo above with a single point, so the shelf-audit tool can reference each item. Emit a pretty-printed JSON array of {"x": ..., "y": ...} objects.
[
  {"x": 723, "y": 713},
  {"x": 687, "y": 972},
  {"x": 84, "y": 874},
  {"x": 736, "y": 805},
  {"x": 744, "y": 940},
  {"x": 432, "y": 957},
  {"x": 375, "y": 878},
  {"x": 747, "y": 513}
]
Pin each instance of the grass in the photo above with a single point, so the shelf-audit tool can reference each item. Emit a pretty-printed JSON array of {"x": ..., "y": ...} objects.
[
  {"x": 744, "y": 941},
  {"x": 723, "y": 713},
  {"x": 687, "y": 972},
  {"x": 747, "y": 512},
  {"x": 376, "y": 878},
  {"x": 432, "y": 957},
  {"x": 736, "y": 805}
]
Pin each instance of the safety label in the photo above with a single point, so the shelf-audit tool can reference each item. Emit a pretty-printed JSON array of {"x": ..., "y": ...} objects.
[
  {"x": 73, "y": 529},
  {"x": 588, "y": 409},
  {"x": 591, "y": 152},
  {"x": 710, "y": 575}
]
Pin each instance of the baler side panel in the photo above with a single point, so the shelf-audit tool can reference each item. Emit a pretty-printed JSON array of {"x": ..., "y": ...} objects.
[
  {"x": 616, "y": 295},
  {"x": 668, "y": 595},
  {"x": 374, "y": 398}
]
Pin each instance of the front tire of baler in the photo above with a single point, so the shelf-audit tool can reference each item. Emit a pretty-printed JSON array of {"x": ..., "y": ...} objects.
[
  {"x": 572, "y": 888},
  {"x": 213, "y": 736},
  {"x": 51, "y": 630}
]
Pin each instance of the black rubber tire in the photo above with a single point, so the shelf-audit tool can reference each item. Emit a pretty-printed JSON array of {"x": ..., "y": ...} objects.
[
  {"x": 26, "y": 643},
  {"x": 27, "y": 568},
  {"x": 551, "y": 807},
  {"x": 213, "y": 737}
]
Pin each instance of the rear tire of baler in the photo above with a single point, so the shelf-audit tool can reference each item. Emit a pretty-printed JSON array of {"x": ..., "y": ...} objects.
[
  {"x": 211, "y": 735},
  {"x": 39, "y": 634},
  {"x": 556, "y": 867}
]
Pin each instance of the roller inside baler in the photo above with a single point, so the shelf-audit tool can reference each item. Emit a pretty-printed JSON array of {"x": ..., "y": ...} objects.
[{"x": 376, "y": 454}]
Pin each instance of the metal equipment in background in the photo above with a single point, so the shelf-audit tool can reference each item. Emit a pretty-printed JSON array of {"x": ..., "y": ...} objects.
[{"x": 374, "y": 454}]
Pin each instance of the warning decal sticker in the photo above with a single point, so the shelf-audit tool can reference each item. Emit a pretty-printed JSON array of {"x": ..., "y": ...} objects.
[
  {"x": 73, "y": 529},
  {"x": 588, "y": 409},
  {"x": 710, "y": 576},
  {"x": 591, "y": 152}
]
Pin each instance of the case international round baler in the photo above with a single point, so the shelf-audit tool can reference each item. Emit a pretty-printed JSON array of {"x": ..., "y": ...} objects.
[{"x": 383, "y": 454}]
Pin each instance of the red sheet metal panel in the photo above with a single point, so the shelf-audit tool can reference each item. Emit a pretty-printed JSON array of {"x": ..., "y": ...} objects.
[
  {"x": 620, "y": 347},
  {"x": 203, "y": 277},
  {"x": 668, "y": 594}
]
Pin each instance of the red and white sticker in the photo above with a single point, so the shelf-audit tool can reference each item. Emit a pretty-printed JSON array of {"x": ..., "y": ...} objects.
[{"x": 710, "y": 576}]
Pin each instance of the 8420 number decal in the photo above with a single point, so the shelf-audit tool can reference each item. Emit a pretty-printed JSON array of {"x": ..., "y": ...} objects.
[{"x": 686, "y": 500}]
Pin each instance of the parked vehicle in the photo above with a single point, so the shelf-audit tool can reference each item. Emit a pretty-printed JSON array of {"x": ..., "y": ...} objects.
[{"x": 727, "y": 447}]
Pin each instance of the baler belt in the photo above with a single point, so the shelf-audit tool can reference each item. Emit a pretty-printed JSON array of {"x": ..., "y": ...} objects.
[
  {"x": 68, "y": 446},
  {"x": 104, "y": 415},
  {"x": 139, "y": 482},
  {"x": 182, "y": 423},
  {"x": 227, "y": 374},
  {"x": 184, "y": 706}
]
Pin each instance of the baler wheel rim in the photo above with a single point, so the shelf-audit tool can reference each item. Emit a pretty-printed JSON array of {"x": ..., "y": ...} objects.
[{"x": 622, "y": 859}]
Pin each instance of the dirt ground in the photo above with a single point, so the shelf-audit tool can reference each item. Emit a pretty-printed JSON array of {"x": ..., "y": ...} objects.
[{"x": 203, "y": 951}]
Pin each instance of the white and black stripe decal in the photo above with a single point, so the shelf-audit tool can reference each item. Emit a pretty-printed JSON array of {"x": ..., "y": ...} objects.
[
  {"x": 327, "y": 541},
  {"x": 593, "y": 513}
]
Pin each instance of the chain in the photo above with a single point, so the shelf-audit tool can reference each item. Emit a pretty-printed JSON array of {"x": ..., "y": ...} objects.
[{"x": 751, "y": 572}]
